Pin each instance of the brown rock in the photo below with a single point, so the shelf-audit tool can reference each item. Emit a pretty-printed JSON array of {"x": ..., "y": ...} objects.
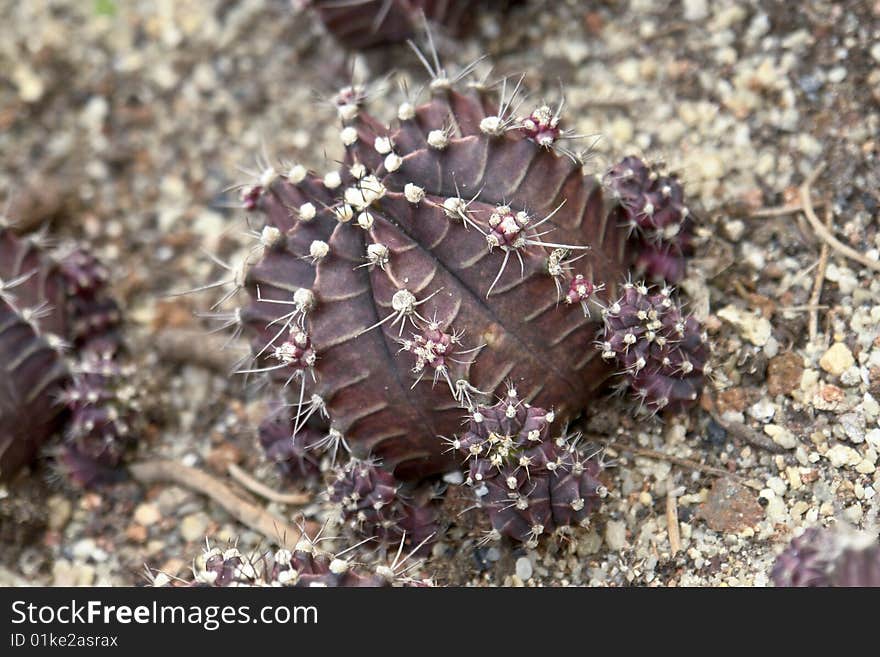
[
  {"x": 730, "y": 507},
  {"x": 136, "y": 533},
  {"x": 736, "y": 399},
  {"x": 784, "y": 373}
]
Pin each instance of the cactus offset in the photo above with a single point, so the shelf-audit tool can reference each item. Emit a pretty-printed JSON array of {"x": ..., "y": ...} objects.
[
  {"x": 661, "y": 352},
  {"x": 305, "y": 566},
  {"x": 530, "y": 482},
  {"x": 829, "y": 557},
  {"x": 58, "y": 346}
]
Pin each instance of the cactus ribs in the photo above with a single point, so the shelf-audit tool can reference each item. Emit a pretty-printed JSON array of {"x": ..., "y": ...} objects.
[{"x": 456, "y": 254}]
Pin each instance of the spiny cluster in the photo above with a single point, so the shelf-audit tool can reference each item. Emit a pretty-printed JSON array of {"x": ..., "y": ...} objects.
[
  {"x": 294, "y": 450},
  {"x": 652, "y": 206},
  {"x": 304, "y": 566},
  {"x": 103, "y": 404},
  {"x": 529, "y": 482},
  {"x": 367, "y": 281},
  {"x": 370, "y": 501},
  {"x": 829, "y": 557},
  {"x": 59, "y": 349},
  {"x": 660, "y": 352}
]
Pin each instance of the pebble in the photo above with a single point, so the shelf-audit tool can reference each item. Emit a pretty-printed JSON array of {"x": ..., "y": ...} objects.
[
  {"x": 524, "y": 568},
  {"x": 59, "y": 510},
  {"x": 147, "y": 514},
  {"x": 615, "y": 534},
  {"x": 194, "y": 526},
  {"x": 853, "y": 425},
  {"x": 754, "y": 328},
  {"x": 841, "y": 455},
  {"x": 762, "y": 410},
  {"x": 837, "y": 359}
]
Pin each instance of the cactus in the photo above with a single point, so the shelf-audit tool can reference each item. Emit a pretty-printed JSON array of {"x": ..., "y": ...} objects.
[
  {"x": 661, "y": 226},
  {"x": 305, "y": 566},
  {"x": 529, "y": 482},
  {"x": 458, "y": 250},
  {"x": 661, "y": 352},
  {"x": 371, "y": 502},
  {"x": 59, "y": 348},
  {"x": 829, "y": 557},
  {"x": 360, "y": 25}
]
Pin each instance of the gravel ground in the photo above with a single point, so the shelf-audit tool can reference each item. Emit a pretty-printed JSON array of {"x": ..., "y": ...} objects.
[{"x": 122, "y": 123}]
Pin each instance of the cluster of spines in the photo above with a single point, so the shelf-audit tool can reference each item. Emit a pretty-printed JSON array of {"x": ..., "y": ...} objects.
[
  {"x": 659, "y": 351},
  {"x": 305, "y": 566},
  {"x": 295, "y": 453},
  {"x": 60, "y": 328},
  {"x": 528, "y": 481},
  {"x": 103, "y": 405},
  {"x": 829, "y": 557},
  {"x": 652, "y": 206},
  {"x": 372, "y": 503}
]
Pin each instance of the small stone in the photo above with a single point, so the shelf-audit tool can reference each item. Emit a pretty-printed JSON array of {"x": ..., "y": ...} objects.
[
  {"x": 754, "y": 328},
  {"x": 615, "y": 534},
  {"x": 853, "y": 425},
  {"x": 763, "y": 410},
  {"x": 524, "y": 568},
  {"x": 873, "y": 438},
  {"x": 730, "y": 507},
  {"x": 147, "y": 514},
  {"x": 136, "y": 533},
  {"x": 59, "y": 510},
  {"x": 84, "y": 549},
  {"x": 194, "y": 526},
  {"x": 865, "y": 466},
  {"x": 784, "y": 373},
  {"x": 842, "y": 455},
  {"x": 837, "y": 359},
  {"x": 695, "y": 10},
  {"x": 735, "y": 229}
]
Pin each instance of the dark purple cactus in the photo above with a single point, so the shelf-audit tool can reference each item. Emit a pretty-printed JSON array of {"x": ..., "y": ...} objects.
[
  {"x": 652, "y": 206},
  {"x": 103, "y": 405},
  {"x": 305, "y": 566},
  {"x": 297, "y": 458},
  {"x": 429, "y": 270},
  {"x": 368, "y": 23},
  {"x": 456, "y": 253},
  {"x": 828, "y": 557},
  {"x": 529, "y": 481},
  {"x": 371, "y": 502},
  {"x": 58, "y": 348},
  {"x": 660, "y": 352}
]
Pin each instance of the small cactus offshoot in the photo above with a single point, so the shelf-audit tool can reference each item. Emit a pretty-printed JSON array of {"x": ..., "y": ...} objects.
[
  {"x": 59, "y": 352},
  {"x": 371, "y": 502},
  {"x": 529, "y": 482},
  {"x": 660, "y": 352},
  {"x": 829, "y": 557},
  {"x": 305, "y": 566}
]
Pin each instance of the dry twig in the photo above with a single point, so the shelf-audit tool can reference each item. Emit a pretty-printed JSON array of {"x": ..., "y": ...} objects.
[
  {"x": 672, "y": 524},
  {"x": 272, "y": 527},
  {"x": 824, "y": 233},
  {"x": 818, "y": 281},
  {"x": 258, "y": 488}
]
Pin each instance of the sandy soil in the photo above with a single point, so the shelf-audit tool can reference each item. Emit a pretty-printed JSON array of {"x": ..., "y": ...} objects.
[{"x": 122, "y": 123}]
